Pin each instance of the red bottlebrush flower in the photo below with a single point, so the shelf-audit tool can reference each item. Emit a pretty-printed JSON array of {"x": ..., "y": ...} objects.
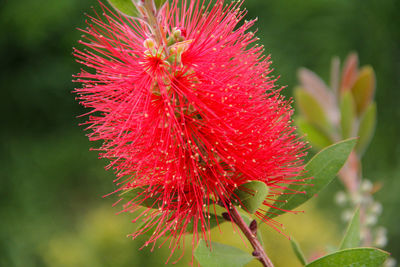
[{"x": 187, "y": 114}]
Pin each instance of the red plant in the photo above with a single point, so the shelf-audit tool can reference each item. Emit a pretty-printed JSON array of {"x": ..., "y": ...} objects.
[{"x": 186, "y": 114}]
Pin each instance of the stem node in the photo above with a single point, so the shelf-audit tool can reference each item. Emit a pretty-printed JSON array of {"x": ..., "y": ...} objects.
[{"x": 250, "y": 232}]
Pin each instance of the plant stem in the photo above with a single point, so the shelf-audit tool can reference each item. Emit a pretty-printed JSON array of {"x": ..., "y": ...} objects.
[
  {"x": 150, "y": 15},
  {"x": 258, "y": 252},
  {"x": 351, "y": 177}
]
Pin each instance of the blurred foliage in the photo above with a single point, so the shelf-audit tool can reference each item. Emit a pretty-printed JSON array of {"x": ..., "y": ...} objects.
[{"x": 51, "y": 210}]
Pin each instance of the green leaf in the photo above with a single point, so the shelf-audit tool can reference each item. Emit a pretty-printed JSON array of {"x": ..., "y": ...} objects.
[
  {"x": 311, "y": 108},
  {"x": 189, "y": 228},
  {"x": 140, "y": 197},
  {"x": 220, "y": 255},
  {"x": 159, "y": 3},
  {"x": 316, "y": 87},
  {"x": 347, "y": 111},
  {"x": 314, "y": 135},
  {"x": 366, "y": 129},
  {"x": 354, "y": 257},
  {"x": 335, "y": 74},
  {"x": 297, "y": 250},
  {"x": 352, "y": 237},
  {"x": 126, "y": 7},
  {"x": 350, "y": 72},
  {"x": 364, "y": 88},
  {"x": 214, "y": 221},
  {"x": 323, "y": 167},
  {"x": 251, "y": 195}
]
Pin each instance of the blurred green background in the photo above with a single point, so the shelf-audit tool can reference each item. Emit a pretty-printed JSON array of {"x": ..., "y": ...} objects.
[{"x": 51, "y": 211}]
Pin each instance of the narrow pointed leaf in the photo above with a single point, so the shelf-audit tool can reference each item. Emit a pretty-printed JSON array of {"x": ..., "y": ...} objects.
[
  {"x": 335, "y": 74},
  {"x": 323, "y": 167},
  {"x": 352, "y": 237},
  {"x": 364, "y": 89},
  {"x": 350, "y": 72},
  {"x": 366, "y": 129},
  {"x": 311, "y": 108},
  {"x": 140, "y": 197},
  {"x": 316, "y": 87},
  {"x": 313, "y": 134},
  {"x": 159, "y": 3},
  {"x": 213, "y": 222},
  {"x": 297, "y": 250},
  {"x": 354, "y": 257},
  {"x": 252, "y": 195},
  {"x": 126, "y": 7},
  {"x": 347, "y": 112},
  {"x": 220, "y": 255}
]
